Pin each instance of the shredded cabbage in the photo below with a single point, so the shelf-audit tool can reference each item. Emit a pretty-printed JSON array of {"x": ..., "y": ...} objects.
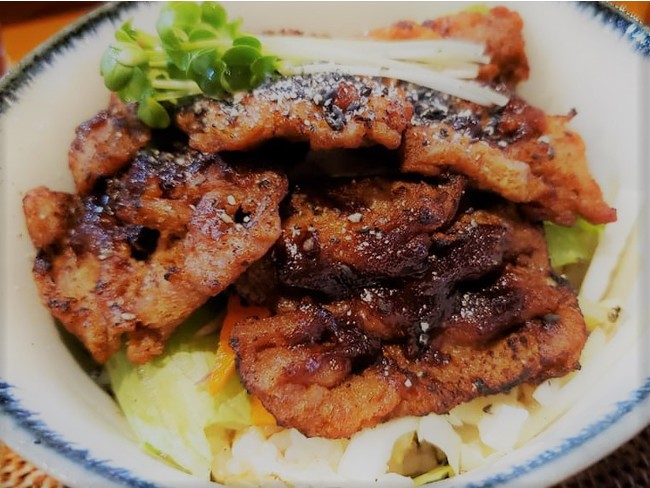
[
  {"x": 166, "y": 403},
  {"x": 570, "y": 245},
  {"x": 436, "y": 474}
]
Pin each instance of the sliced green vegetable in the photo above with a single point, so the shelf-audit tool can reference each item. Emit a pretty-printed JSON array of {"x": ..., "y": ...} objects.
[
  {"x": 479, "y": 8},
  {"x": 233, "y": 406},
  {"x": 116, "y": 75},
  {"x": 569, "y": 245},
  {"x": 165, "y": 400}
]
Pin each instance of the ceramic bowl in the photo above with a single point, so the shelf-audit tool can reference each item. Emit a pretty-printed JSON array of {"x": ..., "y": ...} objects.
[{"x": 583, "y": 56}]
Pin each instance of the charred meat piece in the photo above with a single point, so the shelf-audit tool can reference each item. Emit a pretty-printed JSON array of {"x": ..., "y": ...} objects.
[
  {"x": 516, "y": 151},
  {"x": 499, "y": 29},
  {"x": 106, "y": 143},
  {"x": 336, "y": 111},
  {"x": 487, "y": 314},
  {"x": 486, "y": 274},
  {"x": 345, "y": 234},
  {"x": 173, "y": 230},
  {"x": 328, "y": 111},
  {"x": 310, "y": 371}
]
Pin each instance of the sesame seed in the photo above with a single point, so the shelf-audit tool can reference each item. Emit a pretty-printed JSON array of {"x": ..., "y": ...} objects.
[
  {"x": 308, "y": 245},
  {"x": 355, "y": 217},
  {"x": 366, "y": 296},
  {"x": 225, "y": 217}
]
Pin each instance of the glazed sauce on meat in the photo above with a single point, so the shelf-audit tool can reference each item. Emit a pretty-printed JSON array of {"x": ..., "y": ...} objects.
[
  {"x": 472, "y": 319},
  {"x": 428, "y": 274}
]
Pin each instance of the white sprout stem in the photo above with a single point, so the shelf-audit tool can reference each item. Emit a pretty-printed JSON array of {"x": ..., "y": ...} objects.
[
  {"x": 353, "y": 58},
  {"x": 465, "y": 71},
  {"x": 418, "y": 50},
  {"x": 445, "y": 50},
  {"x": 467, "y": 90}
]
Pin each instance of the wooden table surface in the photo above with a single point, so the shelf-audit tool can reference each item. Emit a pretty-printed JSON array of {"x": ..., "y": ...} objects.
[{"x": 25, "y": 25}]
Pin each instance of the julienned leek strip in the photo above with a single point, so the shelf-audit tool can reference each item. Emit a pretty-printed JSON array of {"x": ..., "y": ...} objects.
[
  {"x": 437, "y": 64},
  {"x": 423, "y": 51}
]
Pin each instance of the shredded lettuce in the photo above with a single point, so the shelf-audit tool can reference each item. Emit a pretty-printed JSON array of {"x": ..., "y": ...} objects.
[
  {"x": 571, "y": 245},
  {"x": 233, "y": 410},
  {"x": 166, "y": 402},
  {"x": 436, "y": 474},
  {"x": 479, "y": 8}
]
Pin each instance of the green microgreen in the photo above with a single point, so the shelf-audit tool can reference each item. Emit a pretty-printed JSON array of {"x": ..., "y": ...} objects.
[{"x": 198, "y": 50}]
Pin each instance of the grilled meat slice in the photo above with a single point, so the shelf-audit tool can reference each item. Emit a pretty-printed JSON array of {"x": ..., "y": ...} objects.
[
  {"x": 343, "y": 234},
  {"x": 487, "y": 314},
  {"x": 336, "y": 111},
  {"x": 173, "y": 230},
  {"x": 328, "y": 111},
  {"x": 106, "y": 143},
  {"x": 516, "y": 151},
  {"x": 302, "y": 363}
]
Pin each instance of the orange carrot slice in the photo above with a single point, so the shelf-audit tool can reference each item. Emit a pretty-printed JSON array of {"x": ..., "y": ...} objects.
[
  {"x": 225, "y": 363},
  {"x": 259, "y": 414}
]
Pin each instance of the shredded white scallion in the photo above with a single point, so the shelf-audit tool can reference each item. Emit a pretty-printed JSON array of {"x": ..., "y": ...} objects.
[
  {"x": 442, "y": 65},
  {"x": 414, "y": 50}
]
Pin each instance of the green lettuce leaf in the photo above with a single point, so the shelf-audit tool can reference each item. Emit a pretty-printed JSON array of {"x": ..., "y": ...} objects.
[
  {"x": 570, "y": 245},
  {"x": 166, "y": 401}
]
